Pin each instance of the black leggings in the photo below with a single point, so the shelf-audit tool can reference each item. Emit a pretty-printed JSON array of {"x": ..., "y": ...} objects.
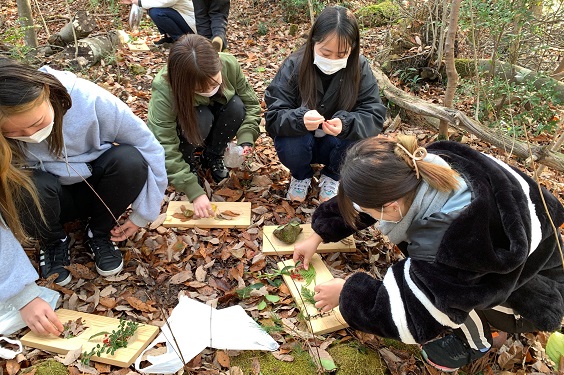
[
  {"x": 218, "y": 124},
  {"x": 118, "y": 176}
]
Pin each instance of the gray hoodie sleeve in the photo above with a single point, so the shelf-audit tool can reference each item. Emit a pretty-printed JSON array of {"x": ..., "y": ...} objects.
[{"x": 17, "y": 275}]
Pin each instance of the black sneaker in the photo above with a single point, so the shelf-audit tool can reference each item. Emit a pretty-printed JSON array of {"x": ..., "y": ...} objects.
[
  {"x": 164, "y": 40},
  {"x": 217, "y": 168},
  {"x": 53, "y": 258},
  {"x": 449, "y": 353},
  {"x": 107, "y": 256}
]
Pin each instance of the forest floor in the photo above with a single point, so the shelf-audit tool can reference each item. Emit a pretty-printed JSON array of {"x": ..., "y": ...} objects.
[{"x": 215, "y": 265}]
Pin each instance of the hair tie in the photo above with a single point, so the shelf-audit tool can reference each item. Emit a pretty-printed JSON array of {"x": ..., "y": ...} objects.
[{"x": 418, "y": 155}]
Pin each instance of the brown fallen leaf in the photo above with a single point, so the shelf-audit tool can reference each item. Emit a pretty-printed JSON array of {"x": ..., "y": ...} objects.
[
  {"x": 73, "y": 328},
  {"x": 80, "y": 271},
  {"x": 230, "y": 213},
  {"x": 137, "y": 304},
  {"x": 222, "y": 358},
  {"x": 12, "y": 367},
  {"x": 108, "y": 302}
]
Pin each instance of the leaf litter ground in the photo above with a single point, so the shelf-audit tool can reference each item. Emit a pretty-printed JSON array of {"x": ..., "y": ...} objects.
[{"x": 211, "y": 265}]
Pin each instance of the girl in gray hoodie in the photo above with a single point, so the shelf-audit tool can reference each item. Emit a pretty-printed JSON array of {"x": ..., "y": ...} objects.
[{"x": 87, "y": 155}]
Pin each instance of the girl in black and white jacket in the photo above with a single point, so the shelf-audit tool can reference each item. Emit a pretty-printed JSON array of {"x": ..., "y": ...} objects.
[{"x": 480, "y": 248}]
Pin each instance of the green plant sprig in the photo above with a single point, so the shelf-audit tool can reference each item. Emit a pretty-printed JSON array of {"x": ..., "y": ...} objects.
[{"x": 112, "y": 341}]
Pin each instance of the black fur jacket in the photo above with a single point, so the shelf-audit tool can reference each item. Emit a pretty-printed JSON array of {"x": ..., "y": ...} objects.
[{"x": 500, "y": 249}]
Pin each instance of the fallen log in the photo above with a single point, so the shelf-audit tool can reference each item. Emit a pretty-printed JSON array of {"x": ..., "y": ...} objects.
[
  {"x": 90, "y": 51},
  {"x": 457, "y": 119},
  {"x": 83, "y": 24}
]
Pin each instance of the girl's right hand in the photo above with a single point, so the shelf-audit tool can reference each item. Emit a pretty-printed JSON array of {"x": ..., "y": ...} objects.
[
  {"x": 40, "y": 318},
  {"x": 312, "y": 119},
  {"x": 303, "y": 251},
  {"x": 202, "y": 206}
]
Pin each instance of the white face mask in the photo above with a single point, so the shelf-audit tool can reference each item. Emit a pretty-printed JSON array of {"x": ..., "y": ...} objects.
[
  {"x": 37, "y": 137},
  {"x": 211, "y": 93},
  {"x": 329, "y": 66}
]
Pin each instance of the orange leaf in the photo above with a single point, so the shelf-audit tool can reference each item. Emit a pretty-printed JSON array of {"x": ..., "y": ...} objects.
[
  {"x": 12, "y": 367},
  {"x": 137, "y": 304},
  {"x": 222, "y": 358}
]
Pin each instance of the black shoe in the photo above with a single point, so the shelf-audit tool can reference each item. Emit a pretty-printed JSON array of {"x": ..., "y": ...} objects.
[
  {"x": 449, "y": 353},
  {"x": 217, "y": 168},
  {"x": 164, "y": 40},
  {"x": 53, "y": 258},
  {"x": 107, "y": 256}
]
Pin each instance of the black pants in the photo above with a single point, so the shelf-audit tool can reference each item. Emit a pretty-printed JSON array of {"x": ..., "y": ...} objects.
[
  {"x": 169, "y": 22},
  {"x": 211, "y": 18},
  {"x": 218, "y": 125},
  {"x": 118, "y": 176},
  {"x": 475, "y": 331}
]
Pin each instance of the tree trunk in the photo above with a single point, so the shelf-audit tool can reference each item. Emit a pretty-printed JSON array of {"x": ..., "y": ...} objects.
[
  {"x": 432, "y": 113},
  {"x": 92, "y": 50},
  {"x": 452, "y": 75},
  {"x": 26, "y": 20},
  {"x": 83, "y": 25}
]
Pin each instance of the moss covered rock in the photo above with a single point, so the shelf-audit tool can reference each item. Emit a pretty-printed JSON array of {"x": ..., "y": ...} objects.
[
  {"x": 49, "y": 367},
  {"x": 377, "y": 14}
]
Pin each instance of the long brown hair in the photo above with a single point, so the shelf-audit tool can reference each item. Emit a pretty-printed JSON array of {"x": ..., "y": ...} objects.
[
  {"x": 377, "y": 171},
  {"x": 192, "y": 64},
  {"x": 339, "y": 21},
  {"x": 21, "y": 89}
]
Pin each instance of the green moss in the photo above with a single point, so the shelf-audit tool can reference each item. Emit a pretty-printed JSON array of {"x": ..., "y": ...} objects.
[
  {"x": 349, "y": 359},
  {"x": 357, "y": 360},
  {"x": 376, "y": 15},
  {"x": 465, "y": 67},
  {"x": 301, "y": 365},
  {"x": 413, "y": 349},
  {"x": 49, "y": 367}
]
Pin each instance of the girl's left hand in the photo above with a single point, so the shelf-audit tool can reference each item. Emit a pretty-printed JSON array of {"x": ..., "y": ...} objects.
[
  {"x": 333, "y": 127},
  {"x": 123, "y": 231},
  {"x": 327, "y": 294},
  {"x": 247, "y": 150}
]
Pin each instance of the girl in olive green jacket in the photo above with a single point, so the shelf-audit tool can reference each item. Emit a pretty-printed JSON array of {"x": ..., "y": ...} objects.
[{"x": 201, "y": 99}]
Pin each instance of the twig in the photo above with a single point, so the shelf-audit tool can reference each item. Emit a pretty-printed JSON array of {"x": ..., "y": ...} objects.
[{"x": 42, "y": 19}]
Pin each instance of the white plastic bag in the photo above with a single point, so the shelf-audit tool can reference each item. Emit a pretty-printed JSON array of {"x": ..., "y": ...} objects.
[
  {"x": 6, "y": 353},
  {"x": 196, "y": 326},
  {"x": 10, "y": 318},
  {"x": 233, "y": 157},
  {"x": 135, "y": 15}
]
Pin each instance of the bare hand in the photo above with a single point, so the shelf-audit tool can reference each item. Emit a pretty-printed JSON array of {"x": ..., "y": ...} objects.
[
  {"x": 136, "y": 2},
  {"x": 303, "y": 251},
  {"x": 312, "y": 119},
  {"x": 247, "y": 150},
  {"x": 40, "y": 318},
  {"x": 202, "y": 206},
  {"x": 333, "y": 127},
  {"x": 327, "y": 294},
  {"x": 123, "y": 231}
]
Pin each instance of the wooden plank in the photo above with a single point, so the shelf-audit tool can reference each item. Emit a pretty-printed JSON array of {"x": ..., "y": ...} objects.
[
  {"x": 138, "y": 45},
  {"x": 123, "y": 357},
  {"x": 320, "y": 324},
  {"x": 273, "y": 246},
  {"x": 241, "y": 221}
]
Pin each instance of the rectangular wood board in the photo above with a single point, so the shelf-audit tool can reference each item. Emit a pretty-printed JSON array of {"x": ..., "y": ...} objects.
[
  {"x": 138, "y": 45},
  {"x": 241, "y": 221},
  {"x": 320, "y": 324},
  {"x": 277, "y": 247},
  {"x": 123, "y": 357}
]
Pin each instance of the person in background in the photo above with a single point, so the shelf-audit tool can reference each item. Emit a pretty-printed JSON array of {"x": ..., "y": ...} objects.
[
  {"x": 18, "y": 289},
  {"x": 211, "y": 21},
  {"x": 173, "y": 18},
  {"x": 479, "y": 240},
  {"x": 201, "y": 99},
  {"x": 323, "y": 98},
  {"x": 88, "y": 157}
]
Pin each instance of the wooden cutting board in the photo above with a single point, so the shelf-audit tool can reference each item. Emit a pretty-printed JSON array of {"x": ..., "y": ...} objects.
[
  {"x": 241, "y": 221},
  {"x": 273, "y": 246},
  {"x": 123, "y": 357},
  {"x": 320, "y": 323}
]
